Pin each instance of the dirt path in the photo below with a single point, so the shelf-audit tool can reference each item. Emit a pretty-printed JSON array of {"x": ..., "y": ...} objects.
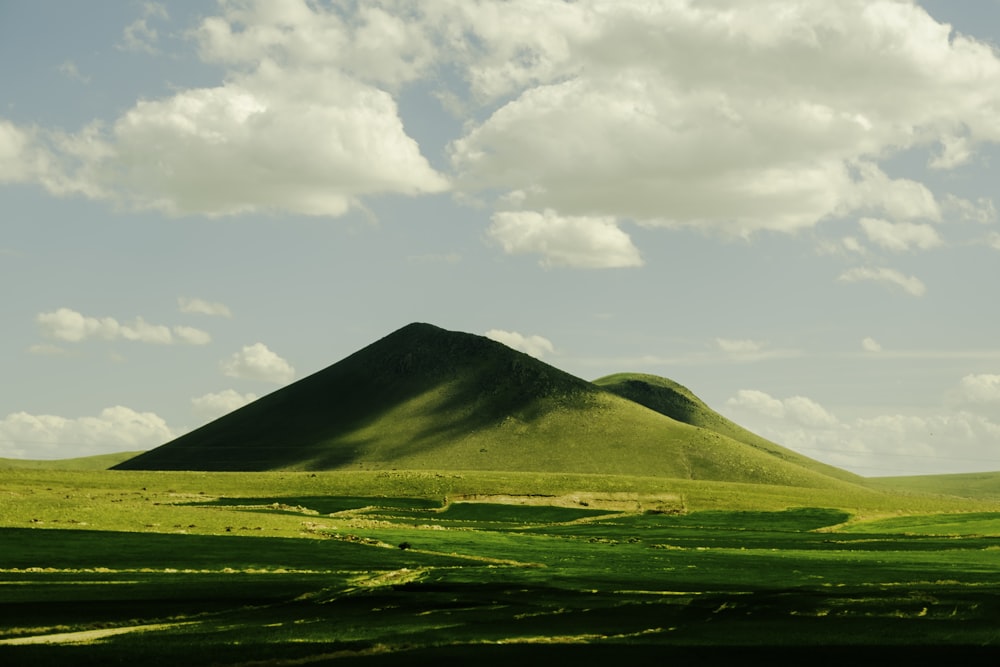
[{"x": 86, "y": 636}]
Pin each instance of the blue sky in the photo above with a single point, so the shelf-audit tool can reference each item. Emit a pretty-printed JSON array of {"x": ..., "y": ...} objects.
[{"x": 786, "y": 206}]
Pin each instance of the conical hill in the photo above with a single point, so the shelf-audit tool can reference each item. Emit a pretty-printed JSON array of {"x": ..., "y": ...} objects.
[{"x": 425, "y": 398}]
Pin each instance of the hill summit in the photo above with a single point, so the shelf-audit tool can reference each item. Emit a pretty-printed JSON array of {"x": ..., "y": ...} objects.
[{"x": 425, "y": 398}]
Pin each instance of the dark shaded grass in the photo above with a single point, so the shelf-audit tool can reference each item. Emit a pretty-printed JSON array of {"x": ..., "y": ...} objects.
[
  {"x": 705, "y": 586},
  {"x": 41, "y": 548}
]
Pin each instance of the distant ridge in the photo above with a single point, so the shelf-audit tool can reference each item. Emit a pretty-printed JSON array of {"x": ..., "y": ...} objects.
[
  {"x": 96, "y": 462},
  {"x": 425, "y": 398}
]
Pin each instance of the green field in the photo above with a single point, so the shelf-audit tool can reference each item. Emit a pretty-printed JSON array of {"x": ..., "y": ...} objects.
[{"x": 168, "y": 568}]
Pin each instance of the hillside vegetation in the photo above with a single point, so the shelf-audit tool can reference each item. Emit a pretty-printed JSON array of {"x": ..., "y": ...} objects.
[
  {"x": 424, "y": 398},
  {"x": 678, "y": 402},
  {"x": 976, "y": 485},
  {"x": 97, "y": 462},
  {"x": 166, "y": 568}
]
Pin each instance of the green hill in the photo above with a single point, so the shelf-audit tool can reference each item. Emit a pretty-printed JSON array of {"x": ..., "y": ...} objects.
[
  {"x": 678, "y": 402},
  {"x": 97, "y": 462},
  {"x": 976, "y": 485},
  {"x": 424, "y": 398}
]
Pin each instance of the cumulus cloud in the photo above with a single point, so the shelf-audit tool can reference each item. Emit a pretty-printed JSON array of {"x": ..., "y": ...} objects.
[
  {"x": 297, "y": 126},
  {"x": 192, "y": 336},
  {"x": 949, "y": 440},
  {"x": 796, "y": 409},
  {"x": 909, "y": 284},
  {"x": 304, "y": 141},
  {"x": 536, "y": 346},
  {"x": 71, "y": 326},
  {"x": 869, "y": 344},
  {"x": 900, "y": 236},
  {"x": 202, "y": 307},
  {"x": 214, "y": 405},
  {"x": 731, "y": 117},
  {"x": 573, "y": 241},
  {"x": 257, "y": 362},
  {"x": 118, "y": 428},
  {"x": 980, "y": 388},
  {"x": 710, "y": 114}
]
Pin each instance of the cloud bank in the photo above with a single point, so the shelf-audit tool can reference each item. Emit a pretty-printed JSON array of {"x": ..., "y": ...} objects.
[
  {"x": 115, "y": 429},
  {"x": 734, "y": 118}
]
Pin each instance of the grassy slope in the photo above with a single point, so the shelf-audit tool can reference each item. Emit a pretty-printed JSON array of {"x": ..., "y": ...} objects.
[
  {"x": 678, "y": 402},
  {"x": 978, "y": 485},
  {"x": 98, "y": 462},
  {"x": 428, "y": 399}
]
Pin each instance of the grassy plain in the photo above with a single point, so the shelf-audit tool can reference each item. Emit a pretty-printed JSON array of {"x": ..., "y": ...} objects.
[{"x": 167, "y": 568}]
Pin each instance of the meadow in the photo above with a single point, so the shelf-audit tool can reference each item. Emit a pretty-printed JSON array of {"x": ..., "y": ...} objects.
[{"x": 166, "y": 568}]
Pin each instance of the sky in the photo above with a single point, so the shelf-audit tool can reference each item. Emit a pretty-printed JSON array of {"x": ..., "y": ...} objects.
[{"x": 789, "y": 207}]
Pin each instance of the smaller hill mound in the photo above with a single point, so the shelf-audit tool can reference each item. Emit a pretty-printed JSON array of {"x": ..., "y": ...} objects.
[{"x": 678, "y": 402}]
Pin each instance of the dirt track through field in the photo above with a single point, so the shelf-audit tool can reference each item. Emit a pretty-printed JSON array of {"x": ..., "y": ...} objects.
[{"x": 86, "y": 636}]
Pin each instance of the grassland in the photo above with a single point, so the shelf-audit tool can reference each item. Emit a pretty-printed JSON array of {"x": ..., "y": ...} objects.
[
  {"x": 409, "y": 567},
  {"x": 97, "y": 462},
  {"x": 979, "y": 485}
]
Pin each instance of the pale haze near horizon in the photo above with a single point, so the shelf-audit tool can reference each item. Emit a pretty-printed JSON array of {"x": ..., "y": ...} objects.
[{"x": 787, "y": 207}]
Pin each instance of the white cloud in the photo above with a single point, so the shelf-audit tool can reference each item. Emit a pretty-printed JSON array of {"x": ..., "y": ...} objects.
[
  {"x": 945, "y": 441},
  {"x": 71, "y": 326},
  {"x": 138, "y": 36},
  {"x": 192, "y": 336},
  {"x": 758, "y": 401},
  {"x": 909, "y": 284},
  {"x": 370, "y": 43},
  {"x": 733, "y": 117},
  {"x": 202, "y": 307},
  {"x": 309, "y": 142},
  {"x": 900, "y": 236},
  {"x": 299, "y": 125},
  {"x": 739, "y": 116},
  {"x": 573, "y": 241},
  {"x": 954, "y": 151},
  {"x": 15, "y": 154},
  {"x": 536, "y": 346},
  {"x": 983, "y": 210},
  {"x": 869, "y": 344},
  {"x": 980, "y": 388},
  {"x": 69, "y": 69},
  {"x": 214, "y": 405},
  {"x": 797, "y": 409},
  {"x": 118, "y": 428},
  {"x": 257, "y": 362},
  {"x": 851, "y": 244}
]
